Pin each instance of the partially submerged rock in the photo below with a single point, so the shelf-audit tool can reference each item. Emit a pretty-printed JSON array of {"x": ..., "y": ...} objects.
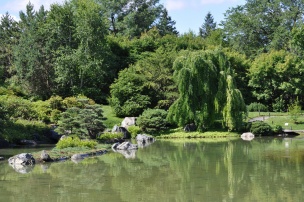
[
  {"x": 144, "y": 140},
  {"x": 247, "y": 136},
  {"x": 124, "y": 146},
  {"x": 22, "y": 163},
  {"x": 22, "y": 159},
  {"x": 45, "y": 156}
]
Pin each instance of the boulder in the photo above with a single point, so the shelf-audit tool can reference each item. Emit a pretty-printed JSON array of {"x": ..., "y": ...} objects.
[
  {"x": 117, "y": 129},
  {"x": 124, "y": 146},
  {"x": 247, "y": 136},
  {"x": 144, "y": 140},
  {"x": 22, "y": 159},
  {"x": 45, "y": 156},
  {"x": 76, "y": 158},
  {"x": 128, "y": 121},
  {"x": 190, "y": 127},
  {"x": 22, "y": 163}
]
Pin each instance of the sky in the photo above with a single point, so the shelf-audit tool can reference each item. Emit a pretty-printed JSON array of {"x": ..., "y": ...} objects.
[{"x": 189, "y": 15}]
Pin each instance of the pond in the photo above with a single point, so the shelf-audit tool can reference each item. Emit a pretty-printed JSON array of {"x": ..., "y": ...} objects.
[{"x": 206, "y": 170}]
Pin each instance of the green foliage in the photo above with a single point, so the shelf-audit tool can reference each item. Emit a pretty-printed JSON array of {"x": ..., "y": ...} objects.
[
  {"x": 208, "y": 26},
  {"x": 277, "y": 129},
  {"x": 75, "y": 142},
  {"x": 166, "y": 25},
  {"x": 276, "y": 79},
  {"x": 256, "y": 107},
  {"x": 22, "y": 129},
  {"x": 152, "y": 120},
  {"x": 294, "y": 110},
  {"x": 129, "y": 96},
  {"x": 261, "y": 128},
  {"x": 134, "y": 131},
  {"x": 110, "y": 136},
  {"x": 206, "y": 89},
  {"x": 18, "y": 108},
  {"x": 85, "y": 121},
  {"x": 273, "y": 22}
]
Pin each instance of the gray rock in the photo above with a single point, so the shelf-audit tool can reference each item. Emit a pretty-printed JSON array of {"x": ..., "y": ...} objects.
[
  {"x": 22, "y": 159},
  {"x": 76, "y": 158},
  {"x": 190, "y": 127},
  {"x": 126, "y": 146},
  {"x": 128, "y": 121},
  {"x": 144, "y": 140},
  {"x": 22, "y": 163},
  {"x": 1, "y": 158},
  {"x": 117, "y": 129},
  {"x": 45, "y": 156},
  {"x": 247, "y": 136}
]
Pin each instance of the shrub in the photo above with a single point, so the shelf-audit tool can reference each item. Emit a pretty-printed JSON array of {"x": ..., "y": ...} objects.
[
  {"x": 261, "y": 128},
  {"x": 134, "y": 130},
  {"x": 152, "y": 120},
  {"x": 75, "y": 142},
  {"x": 18, "y": 108},
  {"x": 255, "y": 107},
  {"x": 23, "y": 129},
  {"x": 109, "y": 136},
  {"x": 277, "y": 129}
]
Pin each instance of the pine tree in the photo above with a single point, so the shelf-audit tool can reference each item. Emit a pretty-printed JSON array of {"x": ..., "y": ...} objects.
[
  {"x": 166, "y": 25},
  {"x": 208, "y": 26}
]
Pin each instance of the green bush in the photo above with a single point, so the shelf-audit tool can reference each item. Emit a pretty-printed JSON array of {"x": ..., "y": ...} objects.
[
  {"x": 23, "y": 129},
  {"x": 256, "y": 107},
  {"x": 261, "y": 128},
  {"x": 18, "y": 108},
  {"x": 277, "y": 129},
  {"x": 75, "y": 142},
  {"x": 134, "y": 130},
  {"x": 152, "y": 120},
  {"x": 110, "y": 136}
]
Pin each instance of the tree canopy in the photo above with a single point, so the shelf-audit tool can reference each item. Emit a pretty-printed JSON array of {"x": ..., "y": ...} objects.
[{"x": 206, "y": 91}]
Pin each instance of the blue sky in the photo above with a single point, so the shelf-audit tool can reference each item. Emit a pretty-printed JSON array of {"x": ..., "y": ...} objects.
[{"x": 188, "y": 14}]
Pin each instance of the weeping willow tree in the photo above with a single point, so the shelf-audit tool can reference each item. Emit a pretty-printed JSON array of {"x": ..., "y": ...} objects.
[{"x": 206, "y": 91}]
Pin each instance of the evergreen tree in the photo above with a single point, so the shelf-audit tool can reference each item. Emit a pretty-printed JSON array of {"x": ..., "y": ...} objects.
[
  {"x": 9, "y": 32},
  {"x": 87, "y": 121},
  {"x": 166, "y": 25},
  {"x": 208, "y": 26},
  {"x": 32, "y": 55}
]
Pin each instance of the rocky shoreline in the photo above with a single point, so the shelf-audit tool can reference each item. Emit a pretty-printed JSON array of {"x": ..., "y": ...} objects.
[{"x": 24, "y": 162}]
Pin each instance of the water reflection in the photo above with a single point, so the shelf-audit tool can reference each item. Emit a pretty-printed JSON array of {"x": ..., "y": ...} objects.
[{"x": 231, "y": 170}]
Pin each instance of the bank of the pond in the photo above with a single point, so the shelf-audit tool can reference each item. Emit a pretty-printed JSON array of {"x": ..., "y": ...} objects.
[{"x": 208, "y": 134}]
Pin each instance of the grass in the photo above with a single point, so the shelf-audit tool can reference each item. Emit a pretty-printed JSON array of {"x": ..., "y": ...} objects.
[
  {"x": 56, "y": 153},
  {"x": 280, "y": 118},
  {"x": 179, "y": 133},
  {"x": 111, "y": 119}
]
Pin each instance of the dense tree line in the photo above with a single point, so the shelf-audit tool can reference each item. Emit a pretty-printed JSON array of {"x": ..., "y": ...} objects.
[{"x": 130, "y": 55}]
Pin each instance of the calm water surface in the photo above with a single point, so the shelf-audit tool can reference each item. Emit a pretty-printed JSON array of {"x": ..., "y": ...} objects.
[{"x": 231, "y": 170}]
